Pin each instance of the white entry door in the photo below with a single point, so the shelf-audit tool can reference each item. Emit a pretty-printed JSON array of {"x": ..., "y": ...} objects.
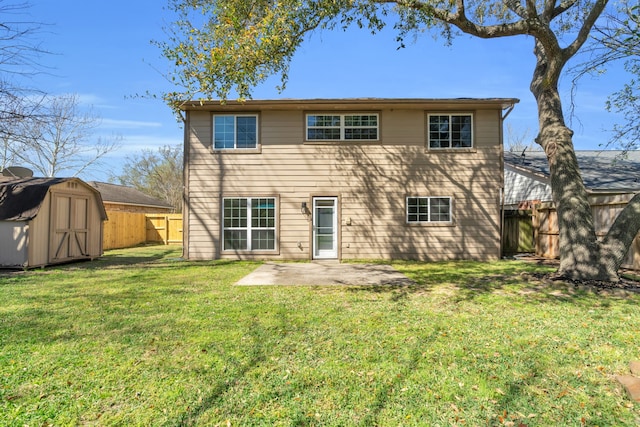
[{"x": 325, "y": 227}]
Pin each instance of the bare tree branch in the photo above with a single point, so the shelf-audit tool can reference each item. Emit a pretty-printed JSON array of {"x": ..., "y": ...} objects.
[{"x": 58, "y": 139}]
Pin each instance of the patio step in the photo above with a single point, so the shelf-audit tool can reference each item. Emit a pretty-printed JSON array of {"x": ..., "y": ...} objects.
[{"x": 631, "y": 383}]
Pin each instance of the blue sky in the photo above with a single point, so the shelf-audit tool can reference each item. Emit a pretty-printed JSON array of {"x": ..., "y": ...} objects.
[{"x": 102, "y": 52}]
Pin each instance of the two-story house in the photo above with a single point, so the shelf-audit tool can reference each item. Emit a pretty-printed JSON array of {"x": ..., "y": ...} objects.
[{"x": 344, "y": 179}]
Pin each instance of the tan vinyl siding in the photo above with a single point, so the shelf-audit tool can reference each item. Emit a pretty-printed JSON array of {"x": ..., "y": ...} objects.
[{"x": 371, "y": 179}]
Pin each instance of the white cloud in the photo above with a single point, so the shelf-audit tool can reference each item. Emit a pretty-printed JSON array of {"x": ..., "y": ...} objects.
[
  {"x": 128, "y": 124},
  {"x": 91, "y": 99},
  {"x": 131, "y": 144}
]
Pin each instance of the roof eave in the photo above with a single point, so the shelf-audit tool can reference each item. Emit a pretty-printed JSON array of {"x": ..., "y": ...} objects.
[
  {"x": 623, "y": 190},
  {"x": 342, "y": 102},
  {"x": 113, "y": 202},
  {"x": 534, "y": 173}
]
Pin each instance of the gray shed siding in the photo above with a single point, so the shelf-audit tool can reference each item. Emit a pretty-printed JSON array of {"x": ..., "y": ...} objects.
[{"x": 14, "y": 250}]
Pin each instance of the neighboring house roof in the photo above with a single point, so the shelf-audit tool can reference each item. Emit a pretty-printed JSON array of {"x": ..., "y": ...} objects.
[
  {"x": 113, "y": 193},
  {"x": 527, "y": 176},
  {"x": 21, "y": 199}
]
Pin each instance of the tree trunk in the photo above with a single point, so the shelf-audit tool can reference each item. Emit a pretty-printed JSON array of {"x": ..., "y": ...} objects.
[
  {"x": 580, "y": 251},
  {"x": 616, "y": 243}
]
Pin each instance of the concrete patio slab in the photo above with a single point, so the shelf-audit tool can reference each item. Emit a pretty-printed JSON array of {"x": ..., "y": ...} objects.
[{"x": 325, "y": 273}]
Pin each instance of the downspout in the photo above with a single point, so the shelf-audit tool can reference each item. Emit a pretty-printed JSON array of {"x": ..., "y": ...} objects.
[
  {"x": 503, "y": 117},
  {"x": 501, "y": 220},
  {"x": 185, "y": 185},
  {"x": 509, "y": 110}
]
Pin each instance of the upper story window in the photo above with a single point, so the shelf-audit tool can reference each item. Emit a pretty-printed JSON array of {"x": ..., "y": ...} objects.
[
  {"x": 450, "y": 130},
  {"x": 342, "y": 127},
  {"x": 235, "y": 132}
]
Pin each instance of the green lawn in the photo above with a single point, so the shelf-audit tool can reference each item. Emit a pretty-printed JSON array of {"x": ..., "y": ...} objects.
[{"x": 141, "y": 337}]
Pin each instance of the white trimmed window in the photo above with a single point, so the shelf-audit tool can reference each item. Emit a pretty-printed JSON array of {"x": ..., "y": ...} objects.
[
  {"x": 450, "y": 130},
  {"x": 428, "y": 209},
  {"x": 342, "y": 127},
  {"x": 235, "y": 132},
  {"x": 249, "y": 224}
]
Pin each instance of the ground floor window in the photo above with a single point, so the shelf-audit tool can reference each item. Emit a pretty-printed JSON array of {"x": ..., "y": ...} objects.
[
  {"x": 249, "y": 224},
  {"x": 428, "y": 209}
]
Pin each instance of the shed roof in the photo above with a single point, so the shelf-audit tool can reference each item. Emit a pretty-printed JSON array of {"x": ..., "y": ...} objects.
[
  {"x": 602, "y": 170},
  {"x": 21, "y": 199},
  {"x": 114, "y": 193}
]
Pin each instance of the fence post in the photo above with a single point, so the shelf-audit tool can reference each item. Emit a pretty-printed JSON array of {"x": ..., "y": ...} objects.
[
  {"x": 166, "y": 229},
  {"x": 535, "y": 220}
]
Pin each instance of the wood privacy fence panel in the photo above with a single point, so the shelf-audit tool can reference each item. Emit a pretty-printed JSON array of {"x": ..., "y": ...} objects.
[
  {"x": 605, "y": 210},
  {"x": 126, "y": 229},
  {"x": 517, "y": 233},
  {"x": 165, "y": 228},
  {"x": 546, "y": 234}
]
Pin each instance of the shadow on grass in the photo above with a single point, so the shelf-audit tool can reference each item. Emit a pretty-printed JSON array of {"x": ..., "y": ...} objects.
[
  {"x": 129, "y": 257},
  {"x": 465, "y": 281},
  {"x": 137, "y": 257},
  {"x": 381, "y": 398},
  {"x": 256, "y": 355}
]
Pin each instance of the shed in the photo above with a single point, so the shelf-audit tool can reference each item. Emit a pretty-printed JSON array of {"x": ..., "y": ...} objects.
[{"x": 47, "y": 221}]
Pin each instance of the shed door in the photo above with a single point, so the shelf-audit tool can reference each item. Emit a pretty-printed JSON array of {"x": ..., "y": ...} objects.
[{"x": 69, "y": 230}]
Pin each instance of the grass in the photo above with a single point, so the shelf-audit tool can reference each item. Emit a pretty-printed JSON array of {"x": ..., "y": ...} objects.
[{"x": 141, "y": 337}]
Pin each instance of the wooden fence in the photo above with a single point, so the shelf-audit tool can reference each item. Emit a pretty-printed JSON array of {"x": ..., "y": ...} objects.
[
  {"x": 546, "y": 234},
  {"x": 126, "y": 229},
  {"x": 164, "y": 228},
  {"x": 517, "y": 232}
]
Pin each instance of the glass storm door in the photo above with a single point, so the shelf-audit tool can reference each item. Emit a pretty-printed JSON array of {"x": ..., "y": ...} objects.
[{"x": 325, "y": 227}]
